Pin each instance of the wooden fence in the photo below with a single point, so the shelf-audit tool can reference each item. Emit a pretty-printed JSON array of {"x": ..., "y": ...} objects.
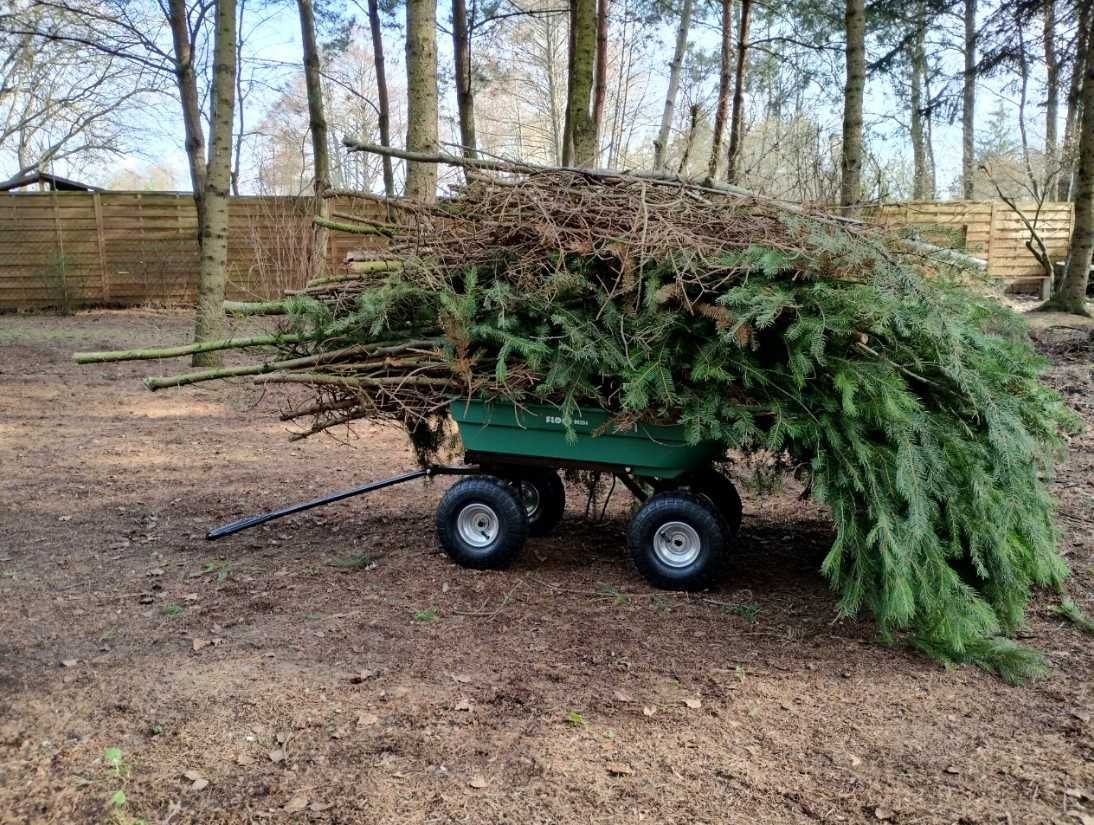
[
  {"x": 988, "y": 229},
  {"x": 132, "y": 248}
]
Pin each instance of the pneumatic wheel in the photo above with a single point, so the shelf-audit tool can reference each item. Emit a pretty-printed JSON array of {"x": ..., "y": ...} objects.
[
  {"x": 543, "y": 495},
  {"x": 722, "y": 494},
  {"x": 481, "y": 523},
  {"x": 678, "y": 541}
]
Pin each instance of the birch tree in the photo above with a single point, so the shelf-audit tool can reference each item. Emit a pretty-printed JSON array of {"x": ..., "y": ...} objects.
[{"x": 660, "y": 145}]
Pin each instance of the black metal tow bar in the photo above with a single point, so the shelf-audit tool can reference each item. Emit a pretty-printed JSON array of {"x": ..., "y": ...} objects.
[{"x": 254, "y": 521}]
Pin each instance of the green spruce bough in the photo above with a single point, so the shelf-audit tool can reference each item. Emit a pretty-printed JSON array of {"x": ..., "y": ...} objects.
[
  {"x": 909, "y": 404},
  {"x": 912, "y": 407}
]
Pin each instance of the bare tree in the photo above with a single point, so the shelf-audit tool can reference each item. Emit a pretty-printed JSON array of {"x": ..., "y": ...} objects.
[
  {"x": 1052, "y": 80},
  {"x": 209, "y": 323},
  {"x": 62, "y": 102},
  {"x": 317, "y": 122},
  {"x": 183, "y": 30},
  {"x": 600, "y": 81},
  {"x": 382, "y": 104},
  {"x": 421, "y": 88},
  {"x": 660, "y": 145},
  {"x": 1074, "y": 94},
  {"x": 1070, "y": 294},
  {"x": 736, "y": 125},
  {"x": 922, "y": 177},
  {"x": 968, "y": 102},
  {"x": 724, "y": 79},
  {"x": 465, "y": 96}
]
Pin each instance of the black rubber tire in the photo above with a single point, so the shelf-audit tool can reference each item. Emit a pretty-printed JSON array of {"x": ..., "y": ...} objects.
[
  {"x": 512, "y": 523},
  {"x": 551, "y": 494},
  {"x": 690, "y": 509},
  {"x": 722, "y": 494}
]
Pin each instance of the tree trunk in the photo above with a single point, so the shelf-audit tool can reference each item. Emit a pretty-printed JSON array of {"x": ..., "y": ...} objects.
[
  {"x": 317, "y": 122},
  {"x": 853, "y": 91},
  {"x": 917, "y": 64},
  {"x": 381, "y": 93},
  {"x": 968, "y": 104},
  {"x": 209, "y": 324},
  {"x": 567, "y": 116},
  {"x": 186, "y": 80},
  {"x": 465, "y": 95},
  {"x": 241, "y": 102},
  {"x": 736, "y": 123},
  {"x": 1071, "y": 292},
  {"x": 581, "y": 129},
  {"x": 724, "y": 78},
  {"x": 421, "y": 85},
  {"x": 600, "y": 83},
  {"x": 1052, "y": 84},
  {"x": 661, "y": 145},
  {"x": 1071, "y": 121},
  {"x": 693, "y": 125}
]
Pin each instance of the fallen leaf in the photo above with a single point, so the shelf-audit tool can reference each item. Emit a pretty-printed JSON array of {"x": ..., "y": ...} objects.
[
  {"x": 463, "y": 704},
  {"x": 198, "y": 644},
  {"x": 694, "y": 704},
  {"x": 622, "y": 696},
  {"x": 855, "y": 761},
  {"x": 277, "y": 756},
  {"x": 364, "y": 719},
  {"x": 882, "y": 814},
  {"x": 200, "y": 784},
  {"x": 477, "y": 781},
  {"x": 462, "y": 678},
  {"x": 362, "y": 676},
  {"x": 1082, "y": 816},
  {"x": 648, "y": 710},
  {"x": 320, "y": 806},
  {"x": 619, "y": 769},
  {"x": 297, "y": 803},
  {"x": 1078, "y": 793},
  {"x": 69, "y": 662},
  {"x": 952, "y": 769},
  {"x": 193, "y": 776},
  {"x": 244, "y": 760}
]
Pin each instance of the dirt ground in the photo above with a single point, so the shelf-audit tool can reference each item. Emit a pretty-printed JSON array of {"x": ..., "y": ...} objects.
[{"x": 335, "y": 668}]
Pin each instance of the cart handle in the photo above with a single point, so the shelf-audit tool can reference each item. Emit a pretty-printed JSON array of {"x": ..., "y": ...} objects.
[{"x": 254, "y": 521}]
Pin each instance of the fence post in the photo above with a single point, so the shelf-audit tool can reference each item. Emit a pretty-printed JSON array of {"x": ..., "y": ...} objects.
[
  {"x": 61, "y": 264},
  {"x": 100, "y": 245}
]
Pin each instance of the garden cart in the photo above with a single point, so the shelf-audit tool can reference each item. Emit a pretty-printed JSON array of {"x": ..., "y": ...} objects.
[{"x": 678, "y": 537}]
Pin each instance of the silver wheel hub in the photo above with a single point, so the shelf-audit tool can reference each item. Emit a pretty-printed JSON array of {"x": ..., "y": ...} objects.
[
  {"x": 676, "y": 544},
  {"x": 478, "y": 525}
]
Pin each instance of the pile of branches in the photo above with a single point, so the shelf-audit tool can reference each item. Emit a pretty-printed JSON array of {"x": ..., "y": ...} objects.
[{"x": 909, "y": 403}]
